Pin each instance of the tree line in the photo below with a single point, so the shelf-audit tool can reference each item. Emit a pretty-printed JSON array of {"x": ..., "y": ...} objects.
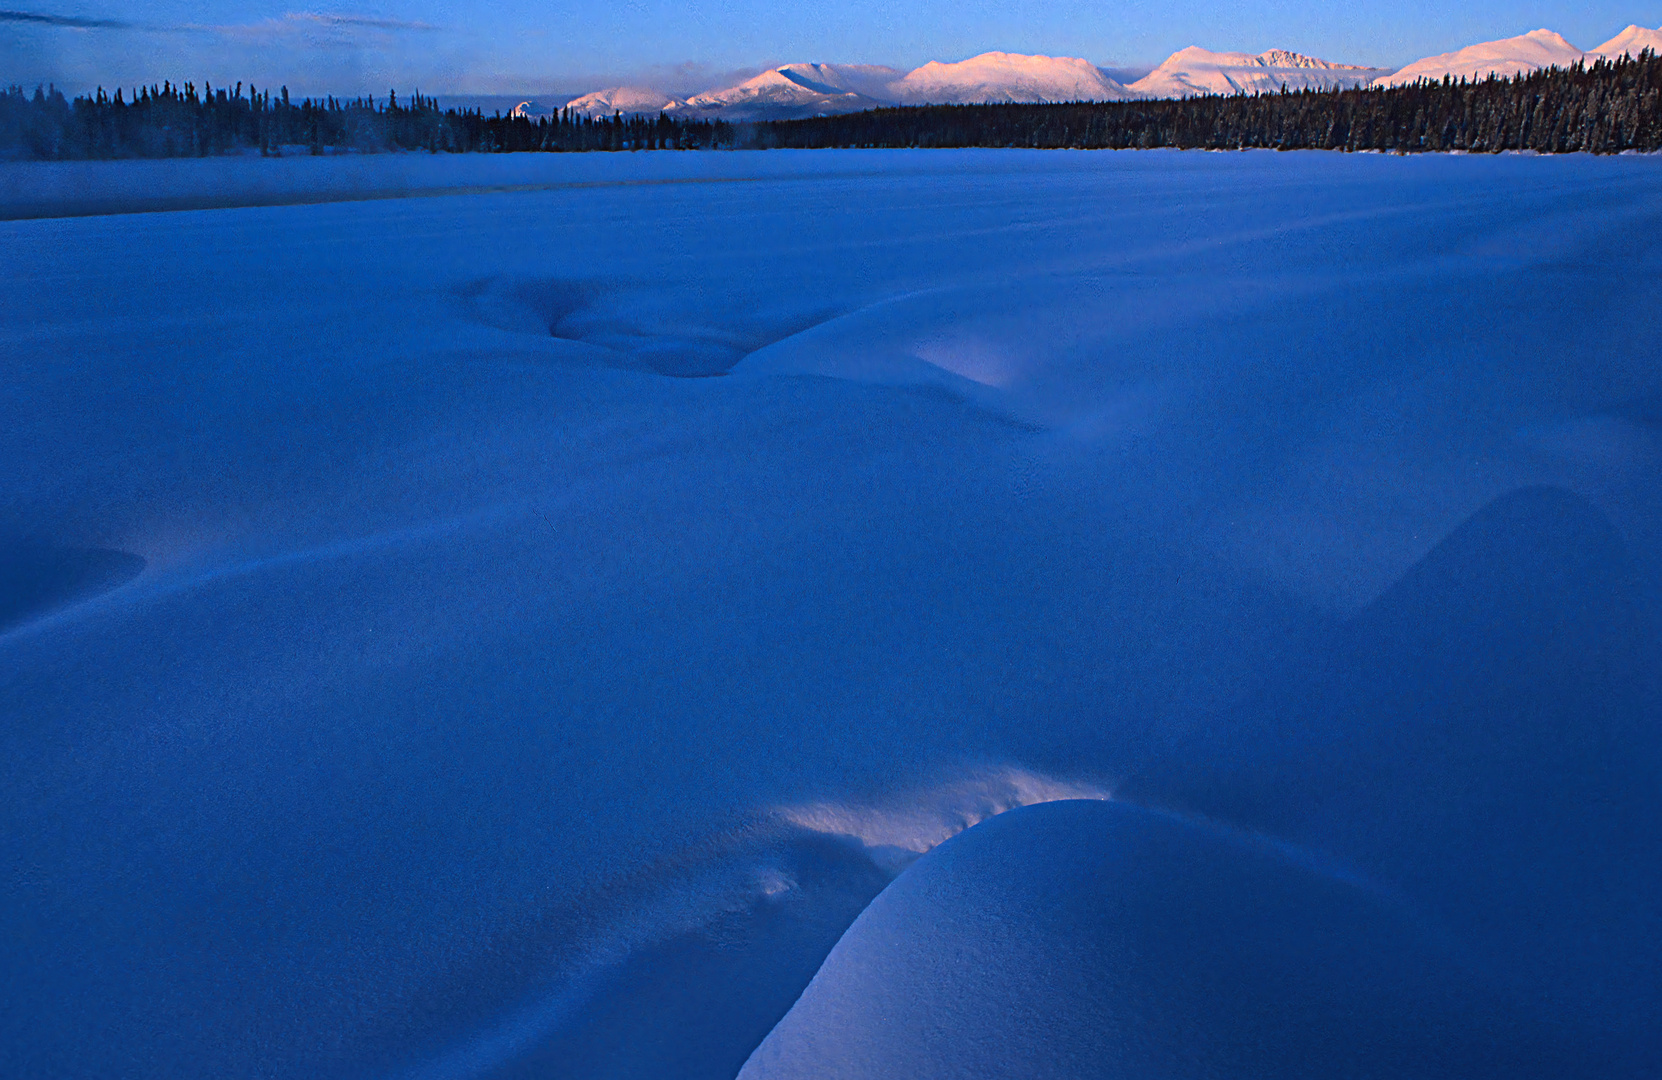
[
  {"x": 1606, "y": 107},
  {"x": 182, "y": 121},
  {"x": 1603, "y": 108}
]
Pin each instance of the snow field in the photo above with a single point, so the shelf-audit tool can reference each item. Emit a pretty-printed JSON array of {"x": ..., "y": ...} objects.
[{"x": 493, "y": 694}]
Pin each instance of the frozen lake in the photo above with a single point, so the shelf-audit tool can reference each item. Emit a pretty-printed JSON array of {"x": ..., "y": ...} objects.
[{"x": 516, "y": 631}]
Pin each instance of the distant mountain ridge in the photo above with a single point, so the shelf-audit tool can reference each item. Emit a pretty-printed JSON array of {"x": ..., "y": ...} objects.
[
  {"x": 1194, "y": 70},
  {"x": 828, "y": 89},
  {"x": 1282, "y": 58},
  {"x": 868, "y": 79},
  {"x": 1007, "y": 77},
  {"x": 1504, "y": 58},
  {"x": 624, "y": 99},
  {"x": 802, "y": 90},
  {"x": 795, "y": 90}
]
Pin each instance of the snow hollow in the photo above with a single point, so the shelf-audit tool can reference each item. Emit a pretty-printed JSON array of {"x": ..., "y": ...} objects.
[{"x": 526, "y": 630}]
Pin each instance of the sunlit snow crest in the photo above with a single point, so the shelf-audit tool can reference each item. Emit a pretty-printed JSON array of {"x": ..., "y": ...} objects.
[{"x": 899, "y": 829}]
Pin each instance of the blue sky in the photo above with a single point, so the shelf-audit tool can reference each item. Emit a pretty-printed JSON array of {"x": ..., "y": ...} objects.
[{"x": 550, "y": 46}]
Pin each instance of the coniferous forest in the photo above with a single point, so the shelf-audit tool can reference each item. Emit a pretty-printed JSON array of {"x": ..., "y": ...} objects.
[
  {"x": 1606, "y": 107},
  {"x": 183, "y": 121}
]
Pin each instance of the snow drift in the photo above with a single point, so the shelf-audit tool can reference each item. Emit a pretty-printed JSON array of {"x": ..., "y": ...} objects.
[{"x": 1093, "y": 939}]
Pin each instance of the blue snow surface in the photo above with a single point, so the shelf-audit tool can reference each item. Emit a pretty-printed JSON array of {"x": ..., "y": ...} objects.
[{"x": 573, "y": 626}]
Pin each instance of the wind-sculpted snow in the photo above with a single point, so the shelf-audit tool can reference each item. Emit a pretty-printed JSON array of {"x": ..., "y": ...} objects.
[
  {"x": 691, "y": 962},
  {"x": 37, "y": 577},
  {"x": 1483, "y": 737},
  {"x": 407, "y": 669},
  {"x": 1092, "y": 939}
]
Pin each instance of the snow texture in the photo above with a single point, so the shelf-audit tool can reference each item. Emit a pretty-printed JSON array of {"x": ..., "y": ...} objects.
[{"x": 517, "y": 631}]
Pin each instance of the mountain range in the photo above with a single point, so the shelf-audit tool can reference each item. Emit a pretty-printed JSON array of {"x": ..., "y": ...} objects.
[
  {"x": 824, "y": 89},
  {"x": 798, "y": 90}
]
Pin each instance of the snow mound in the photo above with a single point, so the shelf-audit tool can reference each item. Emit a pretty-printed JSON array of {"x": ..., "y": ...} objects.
[
  {"x": 688, "y": 979},
  {"x": 1042, "y": 354},
  {"x": 1505, "y": 58},
  {"x": 1094, "y": 939},
  {"x": 1193, "y": 71},
  {"x": 627, "y": 100},
  {"x": 1630, "y": 42},
  {"x": 999, "y": 76},
  {"x": 684, "y": 982}
]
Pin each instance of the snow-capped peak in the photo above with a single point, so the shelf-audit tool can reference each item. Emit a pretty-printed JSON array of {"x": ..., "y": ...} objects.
[
  {"x": 773, "y": 84},
  {"x": 792, "y": 90},
  {"x": 1630, "y": 42},
  {"x": 1284, "y": 58},
  {"x": 624, "y": 99},
  {"x": 1195, "y": 70},
  {"x": 1504, "y": 58},
  {"x": 999, "y": 76},
  {"x": 872, "y": 80}
]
